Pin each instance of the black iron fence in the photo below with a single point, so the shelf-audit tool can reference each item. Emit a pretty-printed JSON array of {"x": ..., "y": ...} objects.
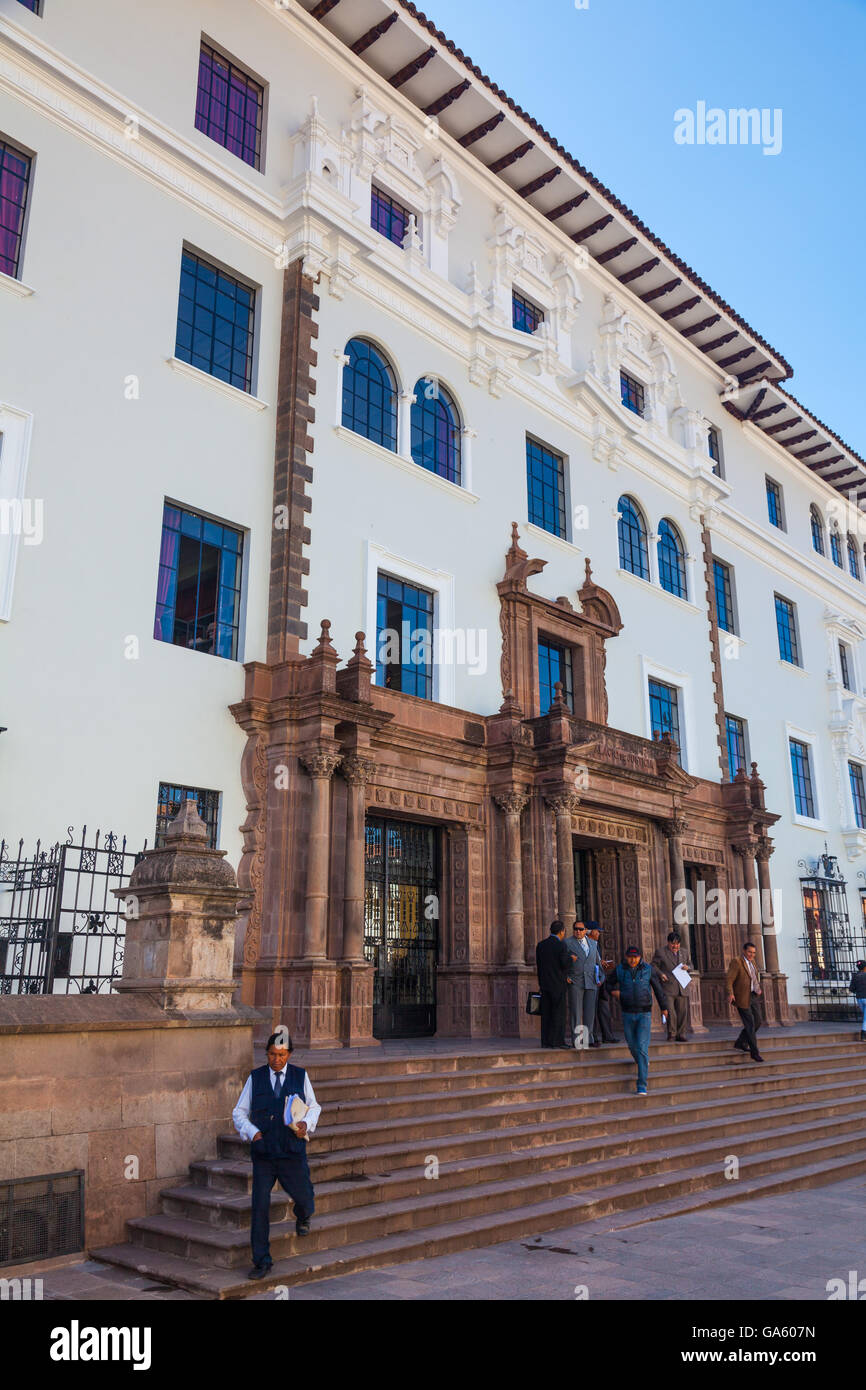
[
  {"x": 831, "y": 947},
  {"x": 61, "y": 927}
]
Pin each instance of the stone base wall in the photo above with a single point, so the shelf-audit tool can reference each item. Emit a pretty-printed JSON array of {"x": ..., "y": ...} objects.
[{"x": 117, "y": 1087}]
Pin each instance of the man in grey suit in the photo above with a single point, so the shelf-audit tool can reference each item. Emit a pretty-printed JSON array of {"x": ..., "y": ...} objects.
[
  {"x": 583, "y": 990},
  {"x": 666, "y": 960}
]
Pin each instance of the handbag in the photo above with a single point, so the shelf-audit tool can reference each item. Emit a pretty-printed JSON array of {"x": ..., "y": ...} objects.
[{"x": 533, "y": 1003}]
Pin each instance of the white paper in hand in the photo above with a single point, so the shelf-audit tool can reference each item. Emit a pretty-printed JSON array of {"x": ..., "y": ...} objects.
[
  {"x": 680, "y": 973},
  {"x": 295, "y": 1109}
]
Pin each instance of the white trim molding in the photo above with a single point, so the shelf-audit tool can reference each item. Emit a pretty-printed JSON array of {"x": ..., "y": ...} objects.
[
  {"x": 16, "y": 510},
  {"x": 224, "y": 387},
  {"x": 439, "y": 583}
]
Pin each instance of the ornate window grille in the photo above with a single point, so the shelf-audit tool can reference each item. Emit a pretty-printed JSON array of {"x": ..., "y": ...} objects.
[{"x": 830, "y": 946}]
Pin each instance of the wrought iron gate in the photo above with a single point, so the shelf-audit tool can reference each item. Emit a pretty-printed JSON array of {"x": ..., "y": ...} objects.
[
  {"x": 830, "y": 947},
  {"x": 401, "y": 921},
  {"x": 61, "y": 928}
]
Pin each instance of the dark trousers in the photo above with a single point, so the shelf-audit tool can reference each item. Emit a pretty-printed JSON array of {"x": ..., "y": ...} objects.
[
  {"x": 752, "y": 1018},
  {"x": 603, "y": 1031},
  {"x": 293, "y": 1175},
  {"x": 677, "y": 1006},
  {"x": 552, "y": 1018}
]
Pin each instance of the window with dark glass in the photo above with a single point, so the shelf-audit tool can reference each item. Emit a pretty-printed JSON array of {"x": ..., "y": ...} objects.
[
  {"x": 436, "y": 430},
  {"x": 735, "y": 730},
  {"x": 631, "y": 532},
  {"x": 845, "y": 666},
  {"x": 215, "y": 318},
  {"x": 672, "y": 560},
  {"x": 14, "y": 183},
  {"x": 525, "y": 316},
  {"x": 554, "y": 664},
  {"x": 774, "y": 504},
  {"x": 801, "y": 771},
  {"x": 724, "y": 596},
  {"x": 388, "y": 216},
  {"x": 545, "y": 482},
  {"x": 404, "y": 637},
  {"x": 858, "y": 794},
  {"x": 633, "y": 397},
  {"x": 853, "y": 558},
  {"x": 664, "y": 703},
  {"x": 34, "y": 5},
  {"x": 836, "y": 548},
  {"x": 817, "y": 526},
  {"x": 170, "y": 802},
  {"x": 370, "y": 394},
  {"x": 786, "y": 629},
  {"x": 714, "y": 446},
  {"x": 229, "y": 106},
  {"x": 198, "y": 597}
]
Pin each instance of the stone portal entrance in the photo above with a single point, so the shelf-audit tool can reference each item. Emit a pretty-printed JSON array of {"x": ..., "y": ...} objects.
[{"x": 401, "y": 925}]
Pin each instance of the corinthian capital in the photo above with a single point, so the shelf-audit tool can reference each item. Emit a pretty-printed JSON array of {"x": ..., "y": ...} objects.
[
  {"x": 764, "y": 850},
  {"x": 675, "y": 827},
  {"x": 358, "y": 770},
  {"x": 320, "y": 762},
  {"x": 563, "y": 803},
  {"x": 511, "y": 802}
]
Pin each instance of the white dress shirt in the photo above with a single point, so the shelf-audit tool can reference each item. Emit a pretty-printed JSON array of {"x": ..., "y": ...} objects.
[{"x": 241, "y": 1112}]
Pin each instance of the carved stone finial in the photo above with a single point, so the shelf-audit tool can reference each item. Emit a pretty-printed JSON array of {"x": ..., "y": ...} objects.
[
  {"x": 187, "y": 824},
  {"x": 324, "y": 643},
  {"x": 588, "y": 565},
  {"x": 360, "y": 647}
]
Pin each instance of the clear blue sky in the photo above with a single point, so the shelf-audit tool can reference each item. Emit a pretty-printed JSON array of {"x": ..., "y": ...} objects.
[{"x": 778, "y": 237}]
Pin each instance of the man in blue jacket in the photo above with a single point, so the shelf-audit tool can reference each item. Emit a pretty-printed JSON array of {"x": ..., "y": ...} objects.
[
  {"x": 278, "y": 1153},
  {"x": 634, "y": 982}
]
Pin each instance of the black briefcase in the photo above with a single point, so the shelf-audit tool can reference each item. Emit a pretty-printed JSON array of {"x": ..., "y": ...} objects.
[{"x": 533, "y": 1003}]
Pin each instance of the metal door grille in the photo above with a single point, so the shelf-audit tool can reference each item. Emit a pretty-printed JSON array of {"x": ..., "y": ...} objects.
[
  {"x": 41, "y": 1217},
  {"x": 831, "y": 947},
  {"x": 401, "y": 926}
]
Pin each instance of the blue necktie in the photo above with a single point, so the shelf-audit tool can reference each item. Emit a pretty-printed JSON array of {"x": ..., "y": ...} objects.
[{"x": 278, "y": 1088}]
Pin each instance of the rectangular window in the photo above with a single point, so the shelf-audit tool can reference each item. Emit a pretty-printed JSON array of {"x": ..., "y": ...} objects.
[
  {"x": 554, "y": 665},
  {"x": 735, "y": 730},
  {"x": 801, "y": 771},
  {"x": 632, "y": 393},
  {"x": 774, "y": 504},
  {"x": 664, "y": 703},
  {"x": 215, "y": 319},
  {"x": 34, "y": 5},
  {"x": 388, "y": 216},
  {"x": 714, "y": 447},
  {"x": 404, "y": 637},
  {"x": 858, "y": 794},
  {"x": 229, "y": 106},
  {"x": 545, "y": 483},
  {"x": 724, "y": 596},
  {"x": 525, "y": 316},
  {"x": 198, "y": 597},
  {"x": 845, "y": 666},
  {"x": 14, "y": 184},
  {"x": 171, "y": 799},
  {"x": 786, "y": 628}
]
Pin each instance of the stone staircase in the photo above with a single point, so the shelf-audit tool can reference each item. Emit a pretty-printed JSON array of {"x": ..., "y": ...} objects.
[{"x": 525, "y": 1141}]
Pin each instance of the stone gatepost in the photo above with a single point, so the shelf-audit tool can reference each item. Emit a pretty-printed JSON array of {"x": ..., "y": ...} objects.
[{"x": 182, "y": 902}]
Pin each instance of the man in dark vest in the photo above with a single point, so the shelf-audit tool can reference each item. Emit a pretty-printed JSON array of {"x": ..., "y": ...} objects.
[
  {"x": 634, "y": 982},
  {"x": 277, "y": 1152},
  {"x": 552, "y": 962}
]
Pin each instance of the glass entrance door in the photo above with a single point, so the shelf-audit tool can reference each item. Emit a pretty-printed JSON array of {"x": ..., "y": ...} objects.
[{"x": 401, "y": 921}]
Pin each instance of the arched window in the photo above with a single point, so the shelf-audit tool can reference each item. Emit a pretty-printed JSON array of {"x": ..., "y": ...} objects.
[
  {"x": 436, "y": 429},
  {"x": 853, "y": 558},
  {"x": 817, "y": 530},
  {"x": 836, "y": 546},
  {"x": 672, "y": 560},
  {"x": 631, "y": 528},
  {"x": 370, "y": 394}
]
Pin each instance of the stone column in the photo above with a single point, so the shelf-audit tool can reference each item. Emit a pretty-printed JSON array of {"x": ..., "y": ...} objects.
[
  {"x": 181, "y": 905},
  {"x": 673, "y": 831},
  {"x": 511, "y": 804},
  {"x": 320, "y": 764},
  {"x": 768, "y": 924},
  {"x": 564, "y": 805},
  {"x": 745, "y": 849},
  {"x": 356, "y": 973},
  {"x": 404, "y": 424}
]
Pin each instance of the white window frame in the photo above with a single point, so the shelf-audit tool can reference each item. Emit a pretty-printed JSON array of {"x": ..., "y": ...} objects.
[
  {"x": 439, "y": 582},
  {"x": 815, "y": 822},
  {"x": 682, "y": 682},
  {"x": 16, "y": 428}
]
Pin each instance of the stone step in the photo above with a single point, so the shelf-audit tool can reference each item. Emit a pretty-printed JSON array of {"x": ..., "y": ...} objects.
[
  {"x": 644, "y": 1152},
  {"x": 611, "y": 1060},
  {"x": 214, "y": 1245},
  {"x": 615, "y": 1133},
  {"x": 593, "y": 1078},
  {"x": 472, "y": 1233},
  {"x": 347, "y": 1063},
  {"x": 745, "y": 1078}
]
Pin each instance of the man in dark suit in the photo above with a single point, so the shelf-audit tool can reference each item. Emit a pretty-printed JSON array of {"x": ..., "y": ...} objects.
[
  {"x": 552, "y": 961},
  {"x": 603, "y": 1029},
  {"x": 666, "y": 960},
  {"x": 744, "y": 983}
]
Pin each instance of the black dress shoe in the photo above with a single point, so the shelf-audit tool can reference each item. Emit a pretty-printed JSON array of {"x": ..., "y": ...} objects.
[
  {"x": 679, "y": 1038},
  {"x": 259, "y": 1271},
  {"x": 757, "y": 1057},
  {"x": 302, "y": 1228},
  {"x": 741, "y": 1047}
]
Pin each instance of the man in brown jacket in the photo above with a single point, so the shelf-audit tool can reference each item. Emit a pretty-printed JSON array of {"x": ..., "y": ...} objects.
[{"x": 744, "y": 983}]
